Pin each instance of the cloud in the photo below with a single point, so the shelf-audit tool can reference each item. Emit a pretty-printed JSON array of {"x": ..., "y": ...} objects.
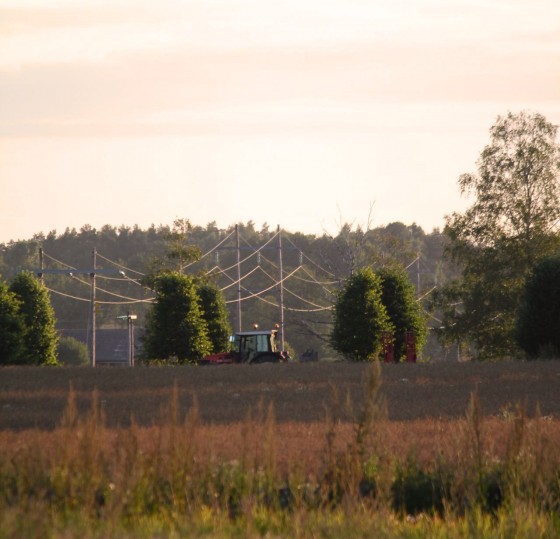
[
  {"x": 109, "y": 68},
  {"x": 95, "y": 31},
  {"x": 139, "y": 93}
]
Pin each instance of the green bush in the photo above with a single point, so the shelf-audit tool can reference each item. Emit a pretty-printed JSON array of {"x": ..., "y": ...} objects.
[
  {"x": 72, "y": 352},
  {"x": 416, "y": 490},
  {"x": 538, "y": 322}
]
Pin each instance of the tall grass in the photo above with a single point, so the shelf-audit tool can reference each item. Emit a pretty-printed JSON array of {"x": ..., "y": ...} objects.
[{"x": 98, "y": 482}]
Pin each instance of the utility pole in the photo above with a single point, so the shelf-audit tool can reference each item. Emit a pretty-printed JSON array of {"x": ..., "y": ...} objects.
[
  {"x": 92, "y": 272},
  {"x": 92, "y": 307},
  {"x": 418, "y": 274},
  {"x": 41, "y": 266},
  {"x": 281, "y": 288},
  {"x": 238, "y": 278}
]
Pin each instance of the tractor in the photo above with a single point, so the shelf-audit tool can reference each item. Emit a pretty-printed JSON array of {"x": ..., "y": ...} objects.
[{"x": 251, "y": 347}]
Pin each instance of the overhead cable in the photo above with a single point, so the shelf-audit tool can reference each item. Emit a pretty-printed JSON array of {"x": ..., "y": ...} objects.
[
  {"x": 426, "y": 294},
  {"x": 252, "y": 254},
  {"x": 148, "y": 300},
  {"x": 66, "y": 295},
  {"x": 322, "y": 283},
  {"x": 310, "y": 260},
  {"x": 211, "y": 250},
  {"x": 119, "y": 265},
  {"x": 266, "y": 289},
  {"x": 413, "y": 262},
  {"x": 294, "y": 294},
  {"x": 297, "y": 276},
  {"x": 125, "y": 278},
  {"x": 239, "y": 280},
  {"x": 291, "y": 309},
  {"x": 108, "y": 292},
  {"x": 264, "y": 300},
  {"x": 329, "y": 308},
  {"x": 58, "y": 261}
]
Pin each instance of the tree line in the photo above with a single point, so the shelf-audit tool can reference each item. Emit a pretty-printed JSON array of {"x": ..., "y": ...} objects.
[
  {"x": 328, "y": 260},
  {"x": 189, "y": 320},
  {"x": 487, "y": 283}
]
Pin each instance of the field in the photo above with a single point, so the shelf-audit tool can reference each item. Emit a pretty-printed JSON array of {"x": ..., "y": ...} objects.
[
  {"x": 411, "y": 450},
  {"x": 36, "y": 397}
]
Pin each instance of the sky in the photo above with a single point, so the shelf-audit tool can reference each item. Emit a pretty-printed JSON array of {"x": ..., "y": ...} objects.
[{"x": 306, "y": 114}]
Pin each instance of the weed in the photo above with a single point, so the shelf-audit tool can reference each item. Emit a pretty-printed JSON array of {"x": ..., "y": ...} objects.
[{"x": 85, "y": 478}]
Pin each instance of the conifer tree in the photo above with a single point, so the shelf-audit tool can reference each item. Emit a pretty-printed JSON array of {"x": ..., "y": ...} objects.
[
  {"x": 175, "y": 327},
  {"x": 215, "y": 313},
  {"x": 40, "y": 335},
  {"x": 405, "y": 313},
  {"x": 11, "y": 327},
  {"x": 360, "y": 317}
]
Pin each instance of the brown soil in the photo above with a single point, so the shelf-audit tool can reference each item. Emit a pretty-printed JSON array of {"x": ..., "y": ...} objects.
[{"x": 300, "y": 393}]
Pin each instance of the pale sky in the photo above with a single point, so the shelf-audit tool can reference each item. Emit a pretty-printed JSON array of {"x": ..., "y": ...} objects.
[{"x": 298, "y": 113}]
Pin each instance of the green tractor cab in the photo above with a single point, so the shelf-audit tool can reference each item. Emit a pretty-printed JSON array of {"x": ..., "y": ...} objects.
[{"x": 251, "y": 347}]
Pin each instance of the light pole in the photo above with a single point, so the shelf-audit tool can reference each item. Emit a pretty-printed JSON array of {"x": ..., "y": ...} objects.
[{"x": 130, "y": 319}]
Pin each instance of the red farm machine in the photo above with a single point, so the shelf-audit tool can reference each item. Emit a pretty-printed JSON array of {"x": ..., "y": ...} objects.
[{"x": 252, "y": 347}]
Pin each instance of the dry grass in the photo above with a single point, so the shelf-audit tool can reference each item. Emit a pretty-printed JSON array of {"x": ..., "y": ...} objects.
[
  {"x": 242, "y": 450},
  {"x": 426, "y": 405},
  {"x": 304, "y": 444}
]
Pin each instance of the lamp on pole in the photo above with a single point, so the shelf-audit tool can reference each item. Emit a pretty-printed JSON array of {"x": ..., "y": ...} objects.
[{"x": 130, "y": 342}]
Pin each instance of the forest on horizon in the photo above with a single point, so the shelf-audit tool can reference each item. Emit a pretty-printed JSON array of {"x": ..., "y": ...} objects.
[{"x": 313, "y": 269}]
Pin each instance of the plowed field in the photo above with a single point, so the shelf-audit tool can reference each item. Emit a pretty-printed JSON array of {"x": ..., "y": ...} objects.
[{"x": 36, "y": 397}]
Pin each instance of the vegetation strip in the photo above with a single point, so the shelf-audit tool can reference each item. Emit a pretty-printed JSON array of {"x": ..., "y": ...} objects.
[{"x": 170, "y": 480}]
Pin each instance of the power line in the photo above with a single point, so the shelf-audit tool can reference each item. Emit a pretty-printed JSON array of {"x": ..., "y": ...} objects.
[
  {"x": 314, "y": 281},
  {"x": 413, "y": 262},
  {"x": 276, "y": 283},
  {"x": 211, "y": 250},
  {"x": 222, "y": 271},
  {"x": 310, "y": 260},
  {"x": 321, "y": 283},
  {"x": 148, "y": 300},
  {"x": 329, "y": 308},
  {"x": 58, "y": 261},
  {"x": 122, "y": 279},
  {"x": 294, "y": 294},
  {"x": 99, "y": 272},
  {"x": 292, "y": 309},
  {"x": 239, "y": 280},
  {"x": 133, "y": 300},
  {"x": 255, "y": 251},
  {"x": 252, "y": 254},
  {"x": 120, "y": 265},
  {"x": 426, "y": 294},
  {"x": 66, "y": 295},
  {"x": 266, "y": 289},
  {"x": 297, "y": 276}
]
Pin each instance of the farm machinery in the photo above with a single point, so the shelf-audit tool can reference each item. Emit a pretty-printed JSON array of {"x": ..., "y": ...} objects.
[{"x": 253, "y": 347}]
